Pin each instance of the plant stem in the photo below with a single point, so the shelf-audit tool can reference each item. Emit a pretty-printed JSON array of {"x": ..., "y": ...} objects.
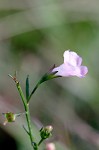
[
  {"x": 26, "y": 107},
  {"x": 40, "y": 141},
  {"x": 33, "y": 91}
]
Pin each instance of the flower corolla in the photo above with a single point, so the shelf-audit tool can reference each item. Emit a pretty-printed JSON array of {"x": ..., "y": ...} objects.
[{"x": 71, "y": 66}]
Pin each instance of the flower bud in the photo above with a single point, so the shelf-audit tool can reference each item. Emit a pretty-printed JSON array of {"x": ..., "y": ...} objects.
[
  {"x": 45, "y": 132},
  {"x": 10, "y": 117},
  {"x": 50, "y": 146},
  {"x": 49, "y": 128},
  {"x": 49, "y": 75}
]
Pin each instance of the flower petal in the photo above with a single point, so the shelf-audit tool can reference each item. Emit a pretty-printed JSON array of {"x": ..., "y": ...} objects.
[
  {"x": 71, "y": 66},
  {"x": 72, "y": 58},
  {"x": 83, "y": 71},
  {"x": 65, "y": 70}
]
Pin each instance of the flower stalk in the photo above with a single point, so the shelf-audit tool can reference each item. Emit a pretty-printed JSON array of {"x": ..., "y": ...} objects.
[
  {"x": 37, "y": 85},
  {"x": 26, "y": 107},
  {"x": 47, "y": 76}
]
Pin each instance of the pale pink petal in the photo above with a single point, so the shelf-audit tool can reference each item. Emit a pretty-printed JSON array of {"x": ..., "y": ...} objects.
[
  {"x": 66, "y": 56},
  {"x": 61, "y": 70},
  {"x": 80, "y": 71},
  {"x": 83, "y": 71},
  {"x": 72, "y": 58},
  {"x": 68, "y": 70},
  {"x": 65, "y": 70}
]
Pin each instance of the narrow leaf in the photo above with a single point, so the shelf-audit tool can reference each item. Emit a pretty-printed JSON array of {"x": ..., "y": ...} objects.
[{"x": 27, "y": 87}]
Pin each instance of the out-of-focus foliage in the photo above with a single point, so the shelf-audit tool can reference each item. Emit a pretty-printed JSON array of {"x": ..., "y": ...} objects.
[{"x": 33, "y": 36}]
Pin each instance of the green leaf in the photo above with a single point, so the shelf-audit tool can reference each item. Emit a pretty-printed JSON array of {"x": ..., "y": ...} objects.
[{"x": 27, "y": 87}]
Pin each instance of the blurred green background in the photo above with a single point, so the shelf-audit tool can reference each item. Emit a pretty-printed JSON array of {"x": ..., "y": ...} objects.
[{"x": 33, "y": 36}]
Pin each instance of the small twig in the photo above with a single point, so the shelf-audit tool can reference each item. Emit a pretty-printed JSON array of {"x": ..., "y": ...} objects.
[{"x": 26, "y": 130}]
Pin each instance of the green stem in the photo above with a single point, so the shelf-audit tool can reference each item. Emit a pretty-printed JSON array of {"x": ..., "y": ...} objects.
[
  {"x": 26, "y": 107},
  {"x": 40, "y": 141},
  {"x": 33, "y": 91}
]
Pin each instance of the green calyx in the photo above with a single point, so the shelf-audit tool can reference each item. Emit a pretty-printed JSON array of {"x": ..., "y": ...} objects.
[
  {"x": 45, "y": 132},
  {"x": 10, "y": 117}
]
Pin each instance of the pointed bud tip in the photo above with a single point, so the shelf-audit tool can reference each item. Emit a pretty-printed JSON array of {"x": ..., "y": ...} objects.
[{"x": 49, "y": 128}]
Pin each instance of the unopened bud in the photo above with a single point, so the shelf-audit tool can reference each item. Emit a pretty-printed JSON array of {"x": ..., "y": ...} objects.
[
  {"x": 50, "y": 146},
  {"x": 49, "y": 128},
  {"x": 45, "y": 132}
]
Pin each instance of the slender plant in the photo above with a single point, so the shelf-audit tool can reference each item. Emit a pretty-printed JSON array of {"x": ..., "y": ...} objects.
[{"x": 70, "y": 67}]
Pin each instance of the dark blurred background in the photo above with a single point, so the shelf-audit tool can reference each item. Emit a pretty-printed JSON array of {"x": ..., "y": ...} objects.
[{"x": 33, "y": 36}]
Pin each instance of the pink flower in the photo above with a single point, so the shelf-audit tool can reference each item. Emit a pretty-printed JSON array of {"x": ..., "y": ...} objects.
[{"x": 71, "y": 66}]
